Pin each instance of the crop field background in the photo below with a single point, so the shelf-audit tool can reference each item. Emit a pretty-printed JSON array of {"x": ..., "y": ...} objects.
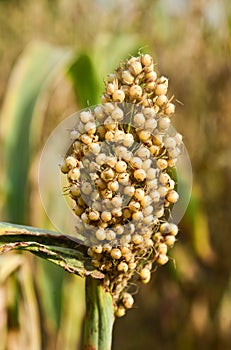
[{"x": 53, "y": 58}]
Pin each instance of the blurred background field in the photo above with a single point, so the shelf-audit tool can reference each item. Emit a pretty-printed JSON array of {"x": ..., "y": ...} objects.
[{"x": 54, "y": 55}]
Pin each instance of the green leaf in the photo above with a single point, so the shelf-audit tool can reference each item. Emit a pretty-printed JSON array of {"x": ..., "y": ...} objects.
[
  {"x": 49, "y": 245},
  {"x": 35, "y": 66},
  {"x": 84, "y": 79}
]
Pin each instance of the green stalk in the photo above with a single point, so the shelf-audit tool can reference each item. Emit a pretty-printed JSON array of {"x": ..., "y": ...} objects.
[{"x": 99, "y": 317}]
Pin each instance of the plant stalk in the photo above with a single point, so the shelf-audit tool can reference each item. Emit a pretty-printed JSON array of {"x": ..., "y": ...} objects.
[{"x": 99, "y": 317}]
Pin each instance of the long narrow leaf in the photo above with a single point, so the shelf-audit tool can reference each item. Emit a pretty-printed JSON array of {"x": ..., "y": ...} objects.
[
  {"x": 32, "y": 70},
  {"x": 84, "y": 79},
  {"x": 59, "y": 249}
]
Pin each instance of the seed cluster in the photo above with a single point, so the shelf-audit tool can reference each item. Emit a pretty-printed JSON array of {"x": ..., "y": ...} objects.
[
  {"x": 136, "y": 81},
  {"x": 120, "y": 171}
]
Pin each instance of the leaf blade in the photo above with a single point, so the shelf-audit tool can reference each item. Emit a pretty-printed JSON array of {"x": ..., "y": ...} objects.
[
  {"x": 33, "y": 69},
  {"x": 59, "y": 249}
]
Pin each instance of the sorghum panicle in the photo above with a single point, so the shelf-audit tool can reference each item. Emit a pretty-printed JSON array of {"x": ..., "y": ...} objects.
[{"x": 120, "y": 171}]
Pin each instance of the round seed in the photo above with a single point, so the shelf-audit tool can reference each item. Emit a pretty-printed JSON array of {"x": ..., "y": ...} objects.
[
  {"x": 118, "y": 95},
  {"x": 162, "y": 248},
  {"x": 152, "y": 184},
  {"x": 74, "y": 134},
  {"x": 162, "y": 163},
  {"x": 90, "y": 128},
  {"x": 128, "y": 140},
  {"x": 84, "y": 218},
  {"x": 159, "y": 213},
  {"x": 119, "y": 229},
  {"x": 178, "y": 138},
  {"x": 106, "y": 216},
  {"x": 113, "y": 186},
  {"x": 169, "y": 109},
  {"x": 146, "y": 201},
  {"x": 117, "y": 201},
  {"x": 109, "y": 136},
  {"x": 127, "y": 77},
  {"x": 146, "y": 59},
  {"x": 71, "y": 162},
  {"x": 155, "y": 195},
  {"x": 143, "y": 153},
  {"x": 161, "y": 100},
  {"x": 78, "y": 210},
  {"x": 85, "y": 116},
  {"x": 148, "y": 220},
  {"x": 111, "y": 161},
  {"x": 161, "y": 89},
  {"x": 86, "y": 188},
  {"x": 117, "y": 114},
  {"x": 151, "y": 174},
  {"x": 136, "y": 162},
  {"x": 100, "y": 184},
  {"x": 172, "y": 196},
  {"x": 74, "y": 174},
  {"x": 111, "y": 77},
  {"x": 110, "y": 124},
  {"x": 135, "y": 68},
  {"x": 64, "y": 168},
  {"x": 140, "y": 174},
  {"x": 122, "y": 267},
  {"x": 135, "y": 92},
  {"x": 150, "y": 124},
  {"x": 137, "y": 239},
  {"x": 129, "y": 190},
  {"x": 116, "y": 253},
  {"x": 110, "y": 235},
  {"x": 117, "y": 212},
  {"x": 134, "y": 206},
  {"x": 94, "y": 215},
  {"x": 151, "y": 77},
  {"x": 162, "y": 191},
  {"x": 144, "y": 135},
  {"x": 147, "y": 210},
  {"x": 170, "y": 143},
  {"x": 81, "y": 202},
  {"x": 110, "y": 88},
  {"x": 139, "y": 119},
  {"x": 137, "y": 216},
  {"x": 121, "y": 166},
  {"x": 174, "y": 153},
  {"x": 169, "y": 240},
  {"x": 164, "y": 123},
  {"x": 75, "y": 190},
  {"x": 100, "y": 159},
  {"x": 97, "y": 249},
  {"x": 120, "y": 312},
  {"x": 107, "y": 175},
  {"x": 94, "y": 148},
  {"x": 139, "y": 194},
  {"x": 119, "y": 135},
  {"x": 123, "y": 179},
  {"x": 168, "y": 228},
  {"x": 99, "y": 112},
  {"x": 120, "y": 151},
  {"x": 145, "y": 275},
  {"x": 128, "y": 300},
  {"x": 162, "y": 259},
  {"x": 149, "y": 113},
  {"x": 100, "y": 234},
  {"x": 146, "y": 164}
]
